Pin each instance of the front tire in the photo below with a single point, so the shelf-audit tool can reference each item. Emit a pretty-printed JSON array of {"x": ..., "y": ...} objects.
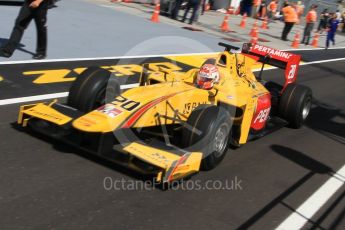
[
  {"x": 295, "y": 104},
  {"x": 91, "y": 89},
  {"x": 209, "y": 134}
]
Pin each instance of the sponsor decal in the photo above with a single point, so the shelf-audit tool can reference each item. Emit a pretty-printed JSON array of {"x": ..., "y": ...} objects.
[
  {"x": 262, "y": 112},
  {"x": 51, "y": 116},
  {"x": 86, "y": 121},
  {"x": 150, "y": 156},
  {"x": 182, "y": 168},
  {"x": 161, "y": 158},
  {"x": 272, "y": 52},
  {"x": 189, "y": 107},
  {"x": 109, "y": 110},
  {"x": 125, "y": 103},
  {"x": 292, "y": 72},
  {"x": 262, "y": 116}
]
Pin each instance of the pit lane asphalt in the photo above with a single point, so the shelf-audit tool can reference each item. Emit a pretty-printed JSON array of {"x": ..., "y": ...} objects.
[{"x": 45, "y": 185}]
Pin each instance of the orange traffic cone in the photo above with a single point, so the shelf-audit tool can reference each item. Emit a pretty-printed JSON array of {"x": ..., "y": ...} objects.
[
  {"x": 315, "y": 42},
  {"x": 295, "y": 43},
  {"x": 225, "y": 26},
  {"x": 254, "y": 30},
  {"x": 264, "y": 24},
  {"x": 244, "y": 20},
  {"x": 155, "y": 15},
  {"x": 254, "y": 40}
]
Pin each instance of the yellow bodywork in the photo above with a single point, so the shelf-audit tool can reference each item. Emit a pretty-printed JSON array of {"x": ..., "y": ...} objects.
[
  {"x": 165, "y": 95},
  {"x": 175, "y": 166}
]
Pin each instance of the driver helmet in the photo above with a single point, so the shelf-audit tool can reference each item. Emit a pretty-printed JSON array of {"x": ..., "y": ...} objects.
[{"x": 207, "y": 76}]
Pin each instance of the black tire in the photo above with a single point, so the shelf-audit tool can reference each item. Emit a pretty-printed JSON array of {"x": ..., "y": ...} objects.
[
  {"x": 273, "y": 88},
  {"x": 295, "y": 104},
  {"x": 212, "y": 122},
  {"x": 90, "y": 89}
]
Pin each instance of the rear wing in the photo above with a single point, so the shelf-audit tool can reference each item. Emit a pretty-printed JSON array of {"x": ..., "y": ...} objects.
[{"x": 281, "y": 59}]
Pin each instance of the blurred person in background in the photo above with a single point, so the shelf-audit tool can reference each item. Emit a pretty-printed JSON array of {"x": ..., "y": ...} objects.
[
  {"x": 310, "y": 18},
  {"x": 343, "y": 19},
  {"x": 338, "y": 14},
  {"x": 255, "y": 8},
  {"x": 31, "y": 9},
  {"x": 176, "y": 9},
  {"x": 279, "y": 15},
  {"x": 262, "y": 9},
  {"x": 290, "y": 18},
  {"x": 204, "y": 5},
  {"x": 323, "y": 21},
  {"x": 194, "y": 5},
  {"x": 300, "y": 10},
  {"x": 332, "y": 27},
  {"x": 272, "y": 10},
  {"x": 246, "y": 7}
]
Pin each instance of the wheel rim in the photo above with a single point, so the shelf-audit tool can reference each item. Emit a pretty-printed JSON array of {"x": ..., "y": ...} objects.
[
  {"x": 220, "y": 140},
  {"x": 306, "y": 109}
]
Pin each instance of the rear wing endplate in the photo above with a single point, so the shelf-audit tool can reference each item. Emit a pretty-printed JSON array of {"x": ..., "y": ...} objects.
[{"x": 277, "y": 58}]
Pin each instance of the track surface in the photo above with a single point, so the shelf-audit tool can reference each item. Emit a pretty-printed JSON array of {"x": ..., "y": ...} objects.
[{"x": 46, "y": 185}]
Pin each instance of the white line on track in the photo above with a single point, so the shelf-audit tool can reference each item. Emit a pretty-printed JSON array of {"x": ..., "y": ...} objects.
[
  {"x": 309, "y": 208},
  {"x": 64, "y": 94},
  {"x": 305, "y": 63},
  {"x": 47, "y": 96},
  {"x": 323, "y": 61},
  {"x": 33, "y": 98},
  {"x": 101, "y": 58},
  {"x": 306, "y": 49},
  {"x": 136, "y": 56}
]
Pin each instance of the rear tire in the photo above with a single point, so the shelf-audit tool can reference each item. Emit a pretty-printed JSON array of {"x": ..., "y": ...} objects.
[
  {"x": 214, "y": 125},
  {"x": 295, "y": 104},
  {"x": 91, "y": 89}
]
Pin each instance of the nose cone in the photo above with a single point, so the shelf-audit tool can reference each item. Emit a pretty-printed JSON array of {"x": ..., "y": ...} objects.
[{"x": 105, "y": 119}]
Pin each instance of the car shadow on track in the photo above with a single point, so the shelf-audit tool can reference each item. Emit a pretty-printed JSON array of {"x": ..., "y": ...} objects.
[
  {"x": 313, "y": 166},
  {"x": 325, "y": 119},
  {"x": 3, "y": 41},
  {"x": 67, "y": 149}
]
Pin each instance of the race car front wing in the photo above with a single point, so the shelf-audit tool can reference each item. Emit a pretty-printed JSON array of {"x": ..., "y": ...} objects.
[{"x": 54, "y": 120}]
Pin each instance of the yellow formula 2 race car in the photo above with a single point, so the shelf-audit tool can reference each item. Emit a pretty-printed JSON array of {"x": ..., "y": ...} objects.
[{"x": 175, "y": 123}]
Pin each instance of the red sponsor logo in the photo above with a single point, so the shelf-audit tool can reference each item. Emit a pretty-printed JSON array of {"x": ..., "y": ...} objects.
[
  {"x": 262, "y": 112},
  {"x": 109, "y": 110},
  {"x": 273, "y": 52}
]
